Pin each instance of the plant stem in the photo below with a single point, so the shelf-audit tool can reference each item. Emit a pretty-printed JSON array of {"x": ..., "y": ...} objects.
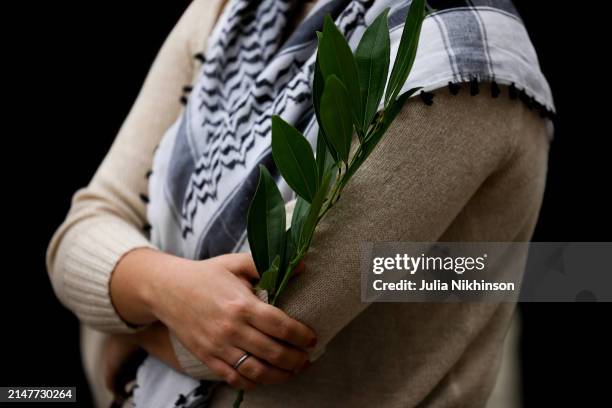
[
  {"x": 290, "y": 268},
  {"x": 239, "y": 399}
]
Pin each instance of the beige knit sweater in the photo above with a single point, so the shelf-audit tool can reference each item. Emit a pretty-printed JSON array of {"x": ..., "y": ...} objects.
[{"x": 465, "y": 169}]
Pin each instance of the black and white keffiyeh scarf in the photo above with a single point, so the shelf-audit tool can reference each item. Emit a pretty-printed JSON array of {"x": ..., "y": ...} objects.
[{"x": 205, "y": 170}]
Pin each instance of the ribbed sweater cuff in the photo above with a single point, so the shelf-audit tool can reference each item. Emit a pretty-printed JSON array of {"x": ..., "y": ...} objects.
[
  {"x": 88, "y": 256},
  {"x": 190, "y": 363}
]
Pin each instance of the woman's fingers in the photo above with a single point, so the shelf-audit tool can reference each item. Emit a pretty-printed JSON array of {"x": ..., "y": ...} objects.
[
  {"x": 241, "y": 265},
  {"x": 262, "y": 373},
  {"x": 275, "y": 353},
  {"x": 274, "y": 322},
  {"x": 230, "y": 375},
  {"x": 208, "y": 307},
  {"x": 252, "y": 369}
]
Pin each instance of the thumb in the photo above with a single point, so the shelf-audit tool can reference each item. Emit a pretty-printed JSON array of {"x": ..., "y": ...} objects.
[{"x": 243, "y": 266}]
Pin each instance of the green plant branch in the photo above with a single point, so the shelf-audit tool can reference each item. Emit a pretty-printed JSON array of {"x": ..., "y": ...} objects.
[{"x": 347, "y": 91}]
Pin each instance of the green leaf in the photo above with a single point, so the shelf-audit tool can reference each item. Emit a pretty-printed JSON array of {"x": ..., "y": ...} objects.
[
  {"x": 266, "y": 222},
  {"x": 407, "y": 50},
  {"x": 372, "y": 56},
  {"x": 317, "y": 92},
  {"x": 336, "y": 58},
  {"x": 324, "y": 158},
  {"x": 336, "y": 116},
  {"x": 290, "y": 248},
  {"x": 269, "y": 278},
  {"x": 318, "y": 83},
  {"x": 306, "y": 216},
  {"x": 300, "y": 212},
  {"x": 294, "y": 158},
  {"x": 310, "y": 222},
  {"x": 288, "y": 254}
]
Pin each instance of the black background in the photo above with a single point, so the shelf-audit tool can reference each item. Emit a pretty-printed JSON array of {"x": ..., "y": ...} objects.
[{"x": 74, "y": 71}]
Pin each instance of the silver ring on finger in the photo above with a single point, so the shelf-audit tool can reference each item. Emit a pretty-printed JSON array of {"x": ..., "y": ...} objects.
[{"x": 242, "y": 360}]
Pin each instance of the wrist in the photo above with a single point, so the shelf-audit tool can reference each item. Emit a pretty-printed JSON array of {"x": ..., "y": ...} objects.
[
  {"x": 147, "y": 291},
  {"x": 135, "y": 283},
  {"x": 163, "y": 284}
]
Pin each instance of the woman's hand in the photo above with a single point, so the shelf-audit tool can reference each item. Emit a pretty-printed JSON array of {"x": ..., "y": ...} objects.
[
  {"x": 218, "y": 318},
  {"x": 211, "y": 308}
]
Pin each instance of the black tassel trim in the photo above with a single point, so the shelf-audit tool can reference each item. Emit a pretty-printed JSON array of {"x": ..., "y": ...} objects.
[
  {"x": 545, "y": 113},
  {"x": 427, "y": 98},
  {"x": 186, "y": 91},
  {"x": 200, "y": 57},
  {"x": 526, "y": 99},
  {"x": 474, "y": 89},
  {"x": 494, "y": 89},
  {"x": 144, "y": 198},
  {"x": 454, "y": 88},
  {"x": 512, "y": 91},
  {"x": 148, "y": 174}
]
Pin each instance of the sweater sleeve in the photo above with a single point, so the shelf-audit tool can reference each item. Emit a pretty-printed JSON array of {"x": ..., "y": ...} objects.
[
  {"x": 424, "y": 171},
  {"x": 106, "y": 218}
]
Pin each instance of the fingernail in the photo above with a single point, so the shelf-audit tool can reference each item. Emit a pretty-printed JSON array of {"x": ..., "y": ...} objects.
[{"x": 312, "y": 343}]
